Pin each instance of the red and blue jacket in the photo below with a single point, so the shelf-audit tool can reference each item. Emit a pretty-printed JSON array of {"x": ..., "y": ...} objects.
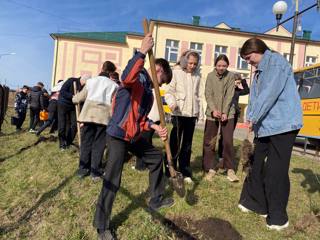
[{"x": 132, "y": 102}]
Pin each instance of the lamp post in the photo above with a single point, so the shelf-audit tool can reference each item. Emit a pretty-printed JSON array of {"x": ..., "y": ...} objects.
[{"x": 279, "y": 8}]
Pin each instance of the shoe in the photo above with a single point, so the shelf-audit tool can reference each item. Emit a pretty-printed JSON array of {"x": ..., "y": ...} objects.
[
  {"x": 82, "y": 173},
  {"x": 38, "y": 133},
  {"x": 106, "y": 235},
  {"x": 188, "y": 180},
  {"x": 231, "y": 176},
  {"x": 246, "y": 210},
  {"x": 32, "y": 131},
  {"x": 95, "y": 178},
  {"x": 209, "y": 175},
  {"x": 278, "y": 227},
  {"x": 159, "y": 202}
]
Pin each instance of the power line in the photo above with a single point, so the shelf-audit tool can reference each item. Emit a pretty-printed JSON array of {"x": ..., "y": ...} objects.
[{"x": 43, "y": 12}]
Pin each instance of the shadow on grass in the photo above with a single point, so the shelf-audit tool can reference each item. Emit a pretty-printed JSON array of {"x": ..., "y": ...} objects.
[
  {"x": 12, "y": 133},
  {"x": 28, "y": 214},
  {"x": 311, "y": 181},
  {"x": 181, "y": 227},
  {"x": 41, "y": 139},
  {"x": 138, "y": 201}
]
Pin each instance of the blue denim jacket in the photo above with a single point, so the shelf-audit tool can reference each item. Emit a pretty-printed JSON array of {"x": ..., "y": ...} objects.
[{"x": 274, "y": 105}]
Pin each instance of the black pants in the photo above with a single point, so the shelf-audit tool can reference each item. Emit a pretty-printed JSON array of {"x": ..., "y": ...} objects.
[
  {"x": 148, "y": 136},
  {"x": 117, "y": 151},
  {"x": 34, "y": 117},
  {"x": 183, "y": 128},
  {"x": 52, "y": 119},
  {"x": 266, "y": 188},
  {"x": 20, "y": 120},
  {"x": 93, "y": 143},
  {"x": 67, "y": 124}
]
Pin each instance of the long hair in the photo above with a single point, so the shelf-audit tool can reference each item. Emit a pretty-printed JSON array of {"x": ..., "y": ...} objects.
[
  {"x": 253, "y": 45},
  {"x": 221, "y": 57}
]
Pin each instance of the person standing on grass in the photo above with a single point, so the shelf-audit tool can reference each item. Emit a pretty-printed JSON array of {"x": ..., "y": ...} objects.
[
  {"x": 182, "y": 96},
  {"x": 94, "y": 116},
  {"x": 154, "y": 116},
  {"x": 219, "y": 91},
  {"x": 241, "y": 89},
  {"x": 36, "y": 102},
  {"x": 131, "y": 105},
  {"x": 52, "y": 110},
  {"x": 274, "y": 114},
  {"x": 67, "y": 123},
  {"x": 21, "y": 106}
]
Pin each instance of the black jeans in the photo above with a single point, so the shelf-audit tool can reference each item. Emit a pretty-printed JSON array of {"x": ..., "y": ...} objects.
[
  {"x": 93, "y": 143},
  {"x": 112, "y": 178},
  {"x": 21, "y": 118},
  {"x": 148, "y": 136},
  {"x": 182, "y": 130},
  {"x": 34, "y": 117},
  {"x": 266, "y": 188},
  {"x": 67, "y": 124},
  {"x": 52, "y": 120}
]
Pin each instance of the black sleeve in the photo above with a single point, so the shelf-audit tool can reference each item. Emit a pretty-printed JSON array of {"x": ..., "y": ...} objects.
[
  {"x": 66, "y": 90},
  {"x": 245, "y": 89},
  {"x": 42, "y": 101}
]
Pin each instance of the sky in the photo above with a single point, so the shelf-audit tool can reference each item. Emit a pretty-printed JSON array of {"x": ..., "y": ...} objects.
[{"x": 25, "y": 25}]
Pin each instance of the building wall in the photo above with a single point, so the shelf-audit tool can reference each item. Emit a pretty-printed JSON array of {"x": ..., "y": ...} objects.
[{"x": 78, "y": 57}]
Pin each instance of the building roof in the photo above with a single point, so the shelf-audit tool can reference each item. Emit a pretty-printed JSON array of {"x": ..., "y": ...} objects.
[
  {"x": 117, "y": 37},
  {"x": 233, "y": 31}
]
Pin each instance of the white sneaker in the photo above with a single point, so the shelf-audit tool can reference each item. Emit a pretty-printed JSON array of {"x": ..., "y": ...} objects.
[
  {"x": 246, "y": 210},
  {"x": 188, "y": 180},
  {"x": 209, "y": 175},
  {"x": 278, "y": 227}
]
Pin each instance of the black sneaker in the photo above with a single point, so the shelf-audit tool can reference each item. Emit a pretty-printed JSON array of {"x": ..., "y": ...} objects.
[
  {"x": 82, "y": 173},
  {"x": 159, "y": 202},
  {"x": 106, "y": 235}
]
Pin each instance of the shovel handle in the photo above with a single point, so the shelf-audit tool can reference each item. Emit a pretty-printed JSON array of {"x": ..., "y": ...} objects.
[
  {"x": 77, "y": 112},
  {"x": 157, "y": 94}
]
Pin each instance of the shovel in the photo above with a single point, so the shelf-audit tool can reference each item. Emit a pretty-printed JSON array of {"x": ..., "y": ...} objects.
[
  {"x": 77, "y": 113},
  {"x": 175, "y": 176}
]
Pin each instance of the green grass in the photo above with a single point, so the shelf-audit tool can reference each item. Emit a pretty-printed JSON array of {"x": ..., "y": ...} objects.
[{"x": 42, "y": 198}]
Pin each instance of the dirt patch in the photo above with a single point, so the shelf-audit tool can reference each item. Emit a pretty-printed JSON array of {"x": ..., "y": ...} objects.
[
  {"x": 210, "y": 228},
  {"x": 309, "y": 223}
]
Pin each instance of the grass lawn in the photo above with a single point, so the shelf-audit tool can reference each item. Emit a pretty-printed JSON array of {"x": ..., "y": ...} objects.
[{"x": 42, "y": 198}]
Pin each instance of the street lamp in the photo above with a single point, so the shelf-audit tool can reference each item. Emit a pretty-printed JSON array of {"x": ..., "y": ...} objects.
[{"x": 279, "y": 8}]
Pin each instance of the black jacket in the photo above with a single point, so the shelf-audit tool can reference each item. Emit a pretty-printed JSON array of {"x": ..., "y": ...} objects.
[
  {"x": 36, "y": 98},
  {"x": 21, "y": 102},
  {"x": 67, "y": 92},
  {"x": 240, "y": 92}
]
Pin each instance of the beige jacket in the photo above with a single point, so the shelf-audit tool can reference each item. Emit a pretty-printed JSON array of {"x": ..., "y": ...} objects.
[
  {"x": 183, "y": 93},
  {"x": 219, "y": 92},
  {"x": 97, "y": 96}
]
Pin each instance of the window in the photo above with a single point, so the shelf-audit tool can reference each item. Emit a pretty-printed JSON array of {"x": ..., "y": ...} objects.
[
  {"x": 242, "y": 64},
  {"x": 286, "y": 56},
  {"x": 172, "y": 47},
  {"x": 219, "y": 50},
  {"x": 308, "y": 83},
  {"x": 310, "y": 61},
  {"x": 197, "y": 47}
]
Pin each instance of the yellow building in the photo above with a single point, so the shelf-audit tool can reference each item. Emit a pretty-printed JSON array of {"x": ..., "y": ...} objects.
[{"x": 84, "y": 53}]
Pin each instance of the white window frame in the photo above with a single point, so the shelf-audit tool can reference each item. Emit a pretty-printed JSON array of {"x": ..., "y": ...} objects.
[
  {"x": 241, "y": 62},
  {"x": 286, "y": 56},
  {"x": 171, "y": 49},
  {"x": 219, "y": 49},
  {"x": 197, "y": 47},
  {"x": 308, "y": 62}
]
